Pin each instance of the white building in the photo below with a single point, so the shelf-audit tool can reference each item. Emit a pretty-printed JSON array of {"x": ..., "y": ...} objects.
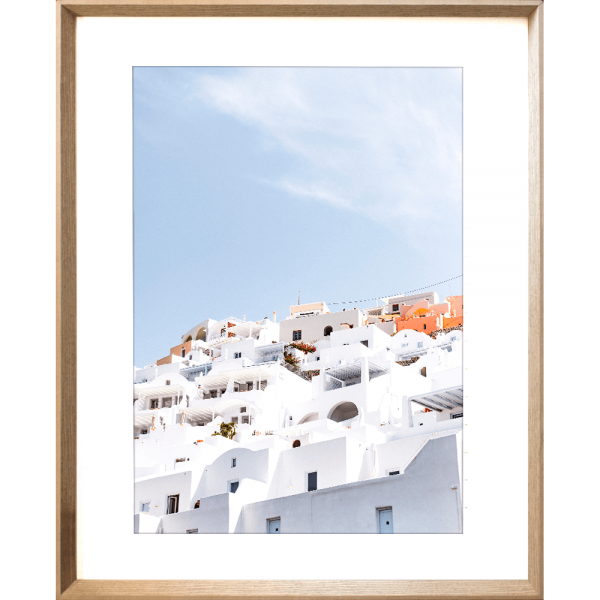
[
  {"x": 313, "y": 322},
  {"x": 364, "y": 437}
]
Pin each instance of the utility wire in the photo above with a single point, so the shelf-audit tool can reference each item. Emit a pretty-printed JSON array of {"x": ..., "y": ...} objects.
[{"x": 393, "y": 295}]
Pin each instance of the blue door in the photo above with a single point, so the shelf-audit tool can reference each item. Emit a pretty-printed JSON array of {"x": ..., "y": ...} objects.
[
  {"x": 275, "y": 526},
  {"x": 386, "y": 524}
]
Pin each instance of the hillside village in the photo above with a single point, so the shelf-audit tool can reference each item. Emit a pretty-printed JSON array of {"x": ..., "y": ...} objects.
[{"x": 322, "y": 422}]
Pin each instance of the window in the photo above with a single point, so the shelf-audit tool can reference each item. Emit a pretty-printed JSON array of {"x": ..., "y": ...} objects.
[
  {"x": 394, "y": 308},
  {"x": 274, "y": 525},
  {"x": 213, "y": 393},
  {"x": 243, "y": 409},
  {"x": 312, "y": 481},
  {"x": 154, "y": 403},
  {"x": 245, "y": 420},
  {"x": 425, "y": 326},
  {"x": 233, "y": 486},
  {"x": 424, "y": 371},
  {"x": 365, "y": 343},
  {"x": 168, "y": 382},
  {"x": 456, "y": 416},
  {"x": 250, "y": 385},
  {"x": 237, "y": 355},
  {"x": 167, "y": 402},
  {"x": 144, "y": 431},
  {"x": 172, "y": 504},
  {"x": 182, "y": 352},
  {"x": 394, "y": 473},
  {"x": 233, "y": 462},
  {"x": 191, "y": 531},
  {"x": 384, "y": 518},
  {"x": 234, "y": 419},
  {"x": 297, "y": 335},
  {"x": 328, "y": 330},
  {"x": 146, "y": 507},
  {"x": 296, "y": 444}
]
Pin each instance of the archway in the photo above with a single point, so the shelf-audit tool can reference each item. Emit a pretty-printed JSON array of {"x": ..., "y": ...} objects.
[
  {"x": 296, "y": 444},
  {"x": 201, "y": 334},
  {"x": 188, "y": 339},
  {"x": 328, "y": 330},
  {"x": 343, "y": 411},
  {"x": 309, "y": 417}
]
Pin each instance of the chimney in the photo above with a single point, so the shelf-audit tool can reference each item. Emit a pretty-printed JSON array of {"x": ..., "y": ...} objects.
[
  {"x": 274, "y": 317},
  {"x": 244, "y": 318}
]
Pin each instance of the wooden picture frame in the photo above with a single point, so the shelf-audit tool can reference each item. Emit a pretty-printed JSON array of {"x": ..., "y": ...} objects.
[{"x": 68, "y": 586}]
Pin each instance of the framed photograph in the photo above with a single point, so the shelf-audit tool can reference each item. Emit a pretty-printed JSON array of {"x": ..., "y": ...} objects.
[{"x": 297, "y": 223}]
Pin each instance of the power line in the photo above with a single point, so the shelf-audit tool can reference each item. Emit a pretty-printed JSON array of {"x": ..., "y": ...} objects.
[{"x": 393, "y": 295}]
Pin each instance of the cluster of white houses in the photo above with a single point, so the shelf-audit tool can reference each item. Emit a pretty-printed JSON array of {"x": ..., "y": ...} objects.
[{"x": 345, "y": 422}]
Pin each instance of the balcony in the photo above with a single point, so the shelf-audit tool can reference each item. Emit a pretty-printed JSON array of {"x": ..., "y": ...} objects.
[{"x": 346, "y": 375}]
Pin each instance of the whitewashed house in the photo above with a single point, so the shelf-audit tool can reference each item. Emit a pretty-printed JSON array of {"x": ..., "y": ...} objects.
[{"x": 364, "y": 435}]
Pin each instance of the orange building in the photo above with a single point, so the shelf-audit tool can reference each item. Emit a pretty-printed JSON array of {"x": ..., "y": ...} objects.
[
  {"x": 427, "y": 318},
  {"x": 179, "y": 350},
  {"x": 456, "y": 306},
  {"x": 187, "y": 346},
  {"x": 452, "y": 322},
  {"x": 422, "y": 324}
]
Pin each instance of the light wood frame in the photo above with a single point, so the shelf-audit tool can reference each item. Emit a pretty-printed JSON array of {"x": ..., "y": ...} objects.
[{"x": 67, "y": 585}]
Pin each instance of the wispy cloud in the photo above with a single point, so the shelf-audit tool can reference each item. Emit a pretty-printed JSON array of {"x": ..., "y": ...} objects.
[{"x": 385, "y": 143}]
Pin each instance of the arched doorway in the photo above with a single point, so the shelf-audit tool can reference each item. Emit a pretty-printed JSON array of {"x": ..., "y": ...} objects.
[
  {"x": 343, "y": 411},
  {"x": 328, "y": 330},
  {"x": 309, "y": 417}
]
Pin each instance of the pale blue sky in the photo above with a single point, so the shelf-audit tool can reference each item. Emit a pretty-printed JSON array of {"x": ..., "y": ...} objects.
[{"x": 250, "y": 183}]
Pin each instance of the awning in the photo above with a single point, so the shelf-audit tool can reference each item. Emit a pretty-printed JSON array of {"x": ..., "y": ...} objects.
[
  {"x": 204, "y": 413},
  {"x": 144, "y": 420},
  {"x": 344, "y": 372},
  {"x": 446, "y": 399},
  {"x": 238, "y": 375},
  {"x": 225, "y": 405},
  {"x": 270, "y": 349},
  {"x": 243, "y": 329},
  {"x": 217, "y": 342},
  {"x": 418, "y": 352},
  {"x": 143, "y": 391}
]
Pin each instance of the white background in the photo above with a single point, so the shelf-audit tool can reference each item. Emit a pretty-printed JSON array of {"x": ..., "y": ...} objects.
[{"x": 493, "y": 54}]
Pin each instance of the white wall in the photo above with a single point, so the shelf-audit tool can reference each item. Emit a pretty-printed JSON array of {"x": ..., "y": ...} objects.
[
  {"x": 156, "y": 489},
  {"x": 313, "y": 327},
  {"x": 328, "y": 458},
  {"x": 150, "y": 373},
  {"x": 250, "y": 464},
  {"x": 422, "y": 500}
]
